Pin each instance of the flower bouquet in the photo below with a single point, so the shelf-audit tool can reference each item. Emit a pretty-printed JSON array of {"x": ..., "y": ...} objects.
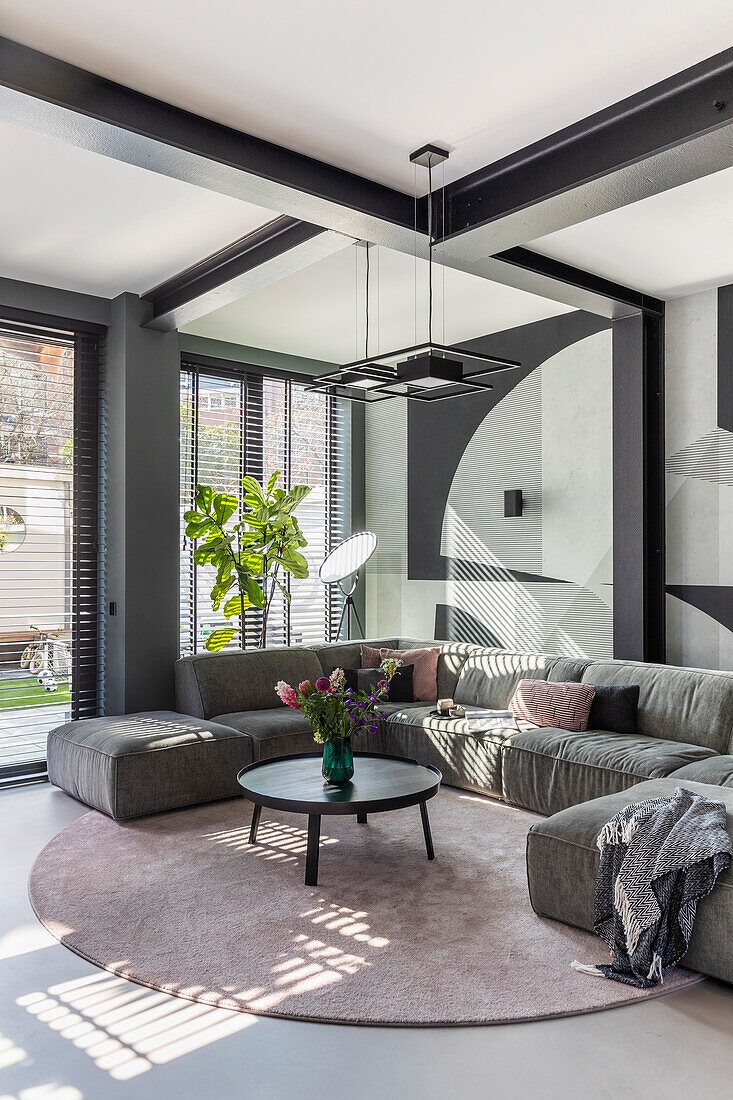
[{"x": 338, "y": 714}]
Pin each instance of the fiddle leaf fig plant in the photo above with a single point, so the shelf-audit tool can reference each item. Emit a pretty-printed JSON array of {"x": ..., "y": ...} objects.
[{"x": 250, "y": 554}]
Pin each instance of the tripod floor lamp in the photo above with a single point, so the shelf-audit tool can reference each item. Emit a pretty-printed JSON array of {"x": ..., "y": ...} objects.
[{"x": 343, "y": 563}]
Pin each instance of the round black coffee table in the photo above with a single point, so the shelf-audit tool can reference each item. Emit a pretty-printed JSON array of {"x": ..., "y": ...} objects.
[{"x": 380, "y": 783}]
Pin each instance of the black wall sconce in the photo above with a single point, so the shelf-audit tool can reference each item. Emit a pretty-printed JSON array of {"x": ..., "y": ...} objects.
[{"x": 512, "y": 502}]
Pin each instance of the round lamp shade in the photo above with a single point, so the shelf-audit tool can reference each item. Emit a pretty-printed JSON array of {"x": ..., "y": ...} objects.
[{"x": 347, "y": 557}]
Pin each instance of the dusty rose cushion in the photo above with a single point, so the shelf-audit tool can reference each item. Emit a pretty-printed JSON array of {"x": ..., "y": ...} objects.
[
  {"x": 561, "y": 706},
  {"x": 424, "y": 662}
]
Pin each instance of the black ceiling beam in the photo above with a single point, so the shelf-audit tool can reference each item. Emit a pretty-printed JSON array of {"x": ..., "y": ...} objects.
[
  {"x": 538, "y": 264},
  {"x": 628, "y": 151},
  {"x": 266, "y": 255},
  {"x": 54, "y": 97}
]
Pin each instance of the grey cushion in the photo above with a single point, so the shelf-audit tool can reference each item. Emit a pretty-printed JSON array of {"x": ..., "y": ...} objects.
[
  {"x": 347, "y": 654},
  {"x": 468, "y": 760},
  {"x": 450, "y": 662},
  {"x": 567, "y": 669},
  {"x": 562, "y": 863},
  {"x": 614, "y": 708},
  {"x": 678, "y": 704},
  {"x": 142, "y": 763},
  {"x": 219, "y": 683},
  {"x": 547, "y": 770},
  {"x": 489, "y": 676},
  {"x": 283, "y": 731},
  {"x": 716, "y": 769}
]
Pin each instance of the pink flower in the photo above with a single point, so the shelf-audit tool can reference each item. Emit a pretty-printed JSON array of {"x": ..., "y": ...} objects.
[
  {"x": 337, "y": 678},
  {"x": 287, "y": 694},
  {"x": 323, "y": 683},
  {"x": 305, "y": 687}
]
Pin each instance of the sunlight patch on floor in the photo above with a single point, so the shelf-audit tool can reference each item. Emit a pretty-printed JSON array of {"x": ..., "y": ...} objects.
[{"x": 127, "y": 1029}]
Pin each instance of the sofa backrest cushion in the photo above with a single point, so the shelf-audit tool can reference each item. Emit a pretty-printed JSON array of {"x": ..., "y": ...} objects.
[
  {"x": 565, "y": 669},
  {"x": 677, "y": 704},
  {"x": 489, "y": 677},
  {"x": 347, "y": 654},
  {"x": 450, "y": 662},
  {"x": 225, "y": 683}
]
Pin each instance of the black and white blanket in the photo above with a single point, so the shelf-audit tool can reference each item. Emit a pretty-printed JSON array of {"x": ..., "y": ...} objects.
[{"x": 658, "y": 858}]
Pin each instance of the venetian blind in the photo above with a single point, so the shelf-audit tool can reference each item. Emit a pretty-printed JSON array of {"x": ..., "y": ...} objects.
[
  {"x": 49, "y": 532},
  {"x": 244, "y": 422}
]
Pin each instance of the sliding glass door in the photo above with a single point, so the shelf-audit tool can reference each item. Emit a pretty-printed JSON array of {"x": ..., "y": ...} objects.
[
  {"x": 242, "y": 422},
  {"x": 49, "y": 531}
]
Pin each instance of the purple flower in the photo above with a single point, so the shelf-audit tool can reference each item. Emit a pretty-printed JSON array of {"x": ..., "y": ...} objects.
[
  {"x": 383, "y": 685},
  {"x": 361, "y": 705},
  {"x": 323, "y": 683},
  {"x": 374, "y": 729}
]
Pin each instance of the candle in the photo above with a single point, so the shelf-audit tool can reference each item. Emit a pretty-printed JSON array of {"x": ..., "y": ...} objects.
[{"x": 444, "y": 706}]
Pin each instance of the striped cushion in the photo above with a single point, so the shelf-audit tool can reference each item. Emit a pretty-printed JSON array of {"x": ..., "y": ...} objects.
[{"x": 562, "y": 706}]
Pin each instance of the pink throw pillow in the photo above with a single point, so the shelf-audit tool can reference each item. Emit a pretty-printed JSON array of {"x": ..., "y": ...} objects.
[
  {"x": 425, "y": 667},
  {"x": 562, "y": 706}
]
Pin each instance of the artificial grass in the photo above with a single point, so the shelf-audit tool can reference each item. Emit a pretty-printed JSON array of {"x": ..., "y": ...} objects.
[{"x": 27, "y": 692}]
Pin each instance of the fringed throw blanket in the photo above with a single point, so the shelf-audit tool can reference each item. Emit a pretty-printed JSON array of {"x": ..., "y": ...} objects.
[{"x": 658, "y": 858}]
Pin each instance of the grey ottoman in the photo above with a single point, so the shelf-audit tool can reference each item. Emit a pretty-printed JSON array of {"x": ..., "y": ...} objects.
[
  {"x": 135, "y": 764},
  {"x": 562, "y": 862}
]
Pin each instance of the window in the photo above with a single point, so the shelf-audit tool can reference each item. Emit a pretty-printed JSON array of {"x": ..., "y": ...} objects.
[
  {"x": 237, "y": 422},
  {"x": 49, "y": 531}
]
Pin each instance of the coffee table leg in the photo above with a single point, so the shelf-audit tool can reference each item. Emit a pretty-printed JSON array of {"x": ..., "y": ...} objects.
[
  {"x": 255, "y": 823},
  {"x": 426, "y": 830},
  {"x": 361, "y": 818},
  {"x": 311, "y": 859}
]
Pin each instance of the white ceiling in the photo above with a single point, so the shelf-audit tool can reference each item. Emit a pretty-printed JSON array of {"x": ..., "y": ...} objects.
[
  {"x": 674, "y": 243},
  {"x": 362, "y": 84},
  {"x": 72, "y": 219},
  {"x": 319, "y": 312}
]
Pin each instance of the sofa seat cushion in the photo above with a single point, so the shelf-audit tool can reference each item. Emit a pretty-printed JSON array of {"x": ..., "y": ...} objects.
[
  {"x": 562, "y": 863},
  {"x": 283, "y": 731},
  {"x": 137, "y": 764},
  {"x": 547, "y": 770},
  {"x": 716, "y": 769},
  {"x": 468, "y": 760}
]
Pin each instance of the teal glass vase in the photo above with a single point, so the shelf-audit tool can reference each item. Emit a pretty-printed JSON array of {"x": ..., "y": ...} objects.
[{"x": 338, "y": 761}]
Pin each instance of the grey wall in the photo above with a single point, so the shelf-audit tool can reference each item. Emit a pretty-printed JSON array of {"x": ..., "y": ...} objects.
[
  {"x": 699, "y": 354},
  {"x": 449, "y": 563}
]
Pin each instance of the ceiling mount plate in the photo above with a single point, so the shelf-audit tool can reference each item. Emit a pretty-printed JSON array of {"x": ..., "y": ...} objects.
[{"x": 429, "y": 155}]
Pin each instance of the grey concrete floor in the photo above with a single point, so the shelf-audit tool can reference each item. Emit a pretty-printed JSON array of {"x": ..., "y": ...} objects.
[{"x": 70, "y": 1032}]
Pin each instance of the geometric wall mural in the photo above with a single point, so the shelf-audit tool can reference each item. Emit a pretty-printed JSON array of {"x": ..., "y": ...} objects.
[
  {"x": 449, "y": 563},
  {"x": 699, "y": 416}
]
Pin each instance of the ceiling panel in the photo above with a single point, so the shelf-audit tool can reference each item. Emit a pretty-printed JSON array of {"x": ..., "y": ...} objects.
[
  {"x": 361, "y": 84},
  {"x": 671, "y": 244},
  {"x": 79, "y": 221},
  {"x": 320, "y": 312}
]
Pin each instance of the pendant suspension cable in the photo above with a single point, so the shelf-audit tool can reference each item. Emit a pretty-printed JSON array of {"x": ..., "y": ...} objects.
[{"x": 430, "y": 253}]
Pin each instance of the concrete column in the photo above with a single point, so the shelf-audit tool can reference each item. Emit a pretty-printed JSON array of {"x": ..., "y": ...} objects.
[{"x": 142, "y": 400}]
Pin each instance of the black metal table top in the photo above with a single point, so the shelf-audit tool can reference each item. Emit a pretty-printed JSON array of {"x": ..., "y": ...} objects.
[{"x": 380, "y": 783}]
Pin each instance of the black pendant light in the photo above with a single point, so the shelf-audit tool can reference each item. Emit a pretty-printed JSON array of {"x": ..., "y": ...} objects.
[{"x": 422, "y": 372}]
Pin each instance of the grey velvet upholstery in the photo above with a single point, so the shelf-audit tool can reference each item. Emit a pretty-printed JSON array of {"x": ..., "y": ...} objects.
[
  {"x": 547, "y": 770},
  {"x": 141, "y": 763},
  {"x": 284, "y": 732},
  {"x": 716, "y": 769},
  {"x": 467, "y": 760},
  {"x": 678, "y": 704},
  {"x": 347, "y": 654},
  {"x": 489, "y": 676},
  {"x": 219, "y": 683},
  {"x": 562, "y": 862}
]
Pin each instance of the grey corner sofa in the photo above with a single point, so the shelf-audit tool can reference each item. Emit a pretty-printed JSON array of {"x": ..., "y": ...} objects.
[{"x": 228, "y": 715}]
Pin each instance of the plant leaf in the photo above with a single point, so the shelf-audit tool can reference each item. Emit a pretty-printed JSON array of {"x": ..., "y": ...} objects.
[
  {"x": 225, "y": 505},
  {"x": 219, "y": 638},
  {"x": 204, "y": 496},
  {"x": 233, "y": 607},
  {"x": 271, "y": 483}
]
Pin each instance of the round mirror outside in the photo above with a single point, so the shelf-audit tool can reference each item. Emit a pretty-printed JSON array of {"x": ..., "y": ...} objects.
[
  {"x": 12, "y": 529},
  {"x": 347, "y": 557}
]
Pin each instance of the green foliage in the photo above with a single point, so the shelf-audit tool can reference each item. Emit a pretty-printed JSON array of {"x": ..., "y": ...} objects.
[{"x": 249, "y": 554}]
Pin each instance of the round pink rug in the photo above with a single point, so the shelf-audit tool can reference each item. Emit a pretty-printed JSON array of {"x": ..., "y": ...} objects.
[{"x": 182, "y": 903}]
